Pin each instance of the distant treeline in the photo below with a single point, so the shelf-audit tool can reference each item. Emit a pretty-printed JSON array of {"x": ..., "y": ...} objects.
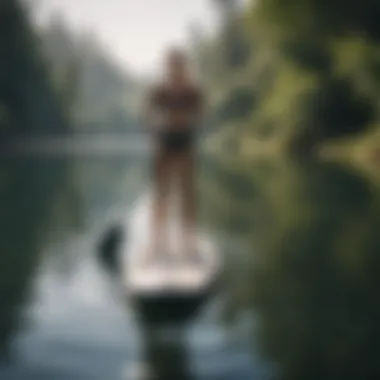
[
  {"x": 53, "y": 81},
  {"x": 102, "y": 93},
  {"x": 28, "y": 102}
]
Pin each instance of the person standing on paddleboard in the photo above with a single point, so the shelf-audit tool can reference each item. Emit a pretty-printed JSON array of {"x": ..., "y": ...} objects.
[{"x": 174, "y": 111}]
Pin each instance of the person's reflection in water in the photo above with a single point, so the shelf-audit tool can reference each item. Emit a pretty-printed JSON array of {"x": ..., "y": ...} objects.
[
  {"x": 165, "y": 355},
  {"x": 316, "y": 289}
]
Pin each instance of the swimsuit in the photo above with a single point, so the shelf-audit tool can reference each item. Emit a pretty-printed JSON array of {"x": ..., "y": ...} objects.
[
  {"x": 176, "y": 141},
  {"x": 181, "y": 138}
]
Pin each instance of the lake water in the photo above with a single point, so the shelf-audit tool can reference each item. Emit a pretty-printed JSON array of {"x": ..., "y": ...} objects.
[{"x": 299, "y": 298}]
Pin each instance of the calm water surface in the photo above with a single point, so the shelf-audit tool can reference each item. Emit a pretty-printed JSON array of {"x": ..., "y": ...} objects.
[{"x": 299, "y": 297}]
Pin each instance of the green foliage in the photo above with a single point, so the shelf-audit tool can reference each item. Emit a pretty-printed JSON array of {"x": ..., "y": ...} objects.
[
  {"x": 29, "y": 102},
  {"x": 336, "y": 109},
  {"x": 314, "y": 286},
  {"x": 239, "y": 104},
  {"x": 313, "y": 67}
]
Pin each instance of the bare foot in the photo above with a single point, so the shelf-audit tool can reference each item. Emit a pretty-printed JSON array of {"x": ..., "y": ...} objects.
[
  {"x": 149, "y": 256},
  {"x": 194, "y": 257},
  {"x": 156, "y": 254},
  {"x": 191, "y": 252}
]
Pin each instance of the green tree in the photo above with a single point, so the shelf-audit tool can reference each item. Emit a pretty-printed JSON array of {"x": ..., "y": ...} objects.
[{"x": 26, "y": 93}]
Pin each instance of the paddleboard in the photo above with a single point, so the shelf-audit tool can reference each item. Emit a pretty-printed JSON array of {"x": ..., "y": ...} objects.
[{"x": 159, "y": 277}]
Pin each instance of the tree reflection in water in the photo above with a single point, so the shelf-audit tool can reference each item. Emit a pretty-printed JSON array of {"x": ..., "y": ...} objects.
[
  {"x": 309, "y": 273},
  {"x": 29, "y": 189},
  {"x": 315, "y": 280}
]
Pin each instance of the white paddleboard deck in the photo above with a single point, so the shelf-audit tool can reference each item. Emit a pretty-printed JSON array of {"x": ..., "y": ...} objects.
[{"x": 160, "y": 276}]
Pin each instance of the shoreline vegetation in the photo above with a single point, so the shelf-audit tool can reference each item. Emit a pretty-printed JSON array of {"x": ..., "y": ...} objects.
[
  {"x": 299, "y": 79},
  {"x": 361, "y": 153}
]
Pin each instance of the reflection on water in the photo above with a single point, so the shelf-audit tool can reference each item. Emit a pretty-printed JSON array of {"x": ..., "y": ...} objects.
[
  {"x": 60, "y": 317},
  {"x": 313, "y": 277},
  {"x": 26, "y": 201},
  {"x": 301, "y": 251},
  {"x": 167, "y": 356}
]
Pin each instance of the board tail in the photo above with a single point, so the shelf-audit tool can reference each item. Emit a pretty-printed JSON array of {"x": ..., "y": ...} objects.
[{"x": 108, "y": 249}]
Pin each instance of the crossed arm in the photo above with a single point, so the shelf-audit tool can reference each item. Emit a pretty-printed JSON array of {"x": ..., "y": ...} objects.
[{"x": 153, "y": 116}]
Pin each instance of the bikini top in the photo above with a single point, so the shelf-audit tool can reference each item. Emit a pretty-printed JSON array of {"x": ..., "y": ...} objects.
[{"x": 172, "y": 99}]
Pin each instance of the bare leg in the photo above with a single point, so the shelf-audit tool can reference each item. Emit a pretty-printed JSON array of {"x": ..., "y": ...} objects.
[
  {"x": 188, "y": 200},
  {"x": 161, "y": 188}
]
